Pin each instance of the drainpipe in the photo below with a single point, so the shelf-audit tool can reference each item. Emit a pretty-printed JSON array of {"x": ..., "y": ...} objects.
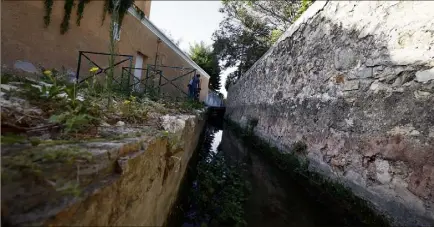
[
  {"x": 156, "y": 54},
  {"x": 152, "y": 76}
]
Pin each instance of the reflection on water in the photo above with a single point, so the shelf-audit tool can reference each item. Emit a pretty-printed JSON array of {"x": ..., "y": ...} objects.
[
  {"x": 218, "y": 192},
  {"x": 217, "y": 140},
  {"x": 233, "y": 186}
]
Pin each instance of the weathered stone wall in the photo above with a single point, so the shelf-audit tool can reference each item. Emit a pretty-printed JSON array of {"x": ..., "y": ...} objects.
[
  {"x": 355, "y": 82},
  {"x": 130, "y": 182}
]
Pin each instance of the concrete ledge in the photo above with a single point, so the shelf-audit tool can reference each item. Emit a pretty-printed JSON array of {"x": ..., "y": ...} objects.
[{"x": 71, "y": 179}]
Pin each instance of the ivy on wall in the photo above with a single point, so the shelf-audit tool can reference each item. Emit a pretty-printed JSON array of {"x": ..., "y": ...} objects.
[
  {"x": 105, "y": 10},
  {"x": 69, "y": 4},
  {"x": 48, "y": 9},
  {"x": 64, "y": 26},
  {"x": 123, "y": 8},
  {"x": 80, "y": 9}
]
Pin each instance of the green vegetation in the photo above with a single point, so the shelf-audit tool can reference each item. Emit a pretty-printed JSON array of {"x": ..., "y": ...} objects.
[
  {"x": 70, "y": 188},
  {"x": 249, "y": 29},
  {"x": 48, "y": 8},
  {"x": 33, "y": 162},
  {"x": 296, "y": 166},
  {"x": 109, "y": 6},
  {"x": 190, "y": 105},
  {"x": 205, "y": 57},
  {"x": 220, "y": 191},
  {"x": 134, "y": 111},
  {"x": 304, "y": 5},
  {"x": 35, "y": 141},
  {"x": 12, "y": 139},
  {"x": 64, "y": 26},
  {"x": 64, "y": 117},
  {"x": 80, "y": 9},
  {"x": 275, "y": 35},
  {"x": 79, "y": 110}
]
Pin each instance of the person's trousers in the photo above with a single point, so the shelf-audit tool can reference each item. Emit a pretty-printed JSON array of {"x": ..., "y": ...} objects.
[{"x": 191, "y": 92}]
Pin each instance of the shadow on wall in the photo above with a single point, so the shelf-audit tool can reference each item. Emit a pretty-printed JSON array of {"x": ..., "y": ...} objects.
[{"x": 355, "y": 83}]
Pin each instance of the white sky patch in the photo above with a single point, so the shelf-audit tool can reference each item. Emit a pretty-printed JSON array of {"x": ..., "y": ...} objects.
[{"x": 190, "y": 21}]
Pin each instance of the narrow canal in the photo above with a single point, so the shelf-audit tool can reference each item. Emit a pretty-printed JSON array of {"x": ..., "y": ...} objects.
[{"x": 229, "y": 184}]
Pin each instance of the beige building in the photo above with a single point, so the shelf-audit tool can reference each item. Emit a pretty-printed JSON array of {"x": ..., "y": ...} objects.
[{"x": 25, "y": 38}]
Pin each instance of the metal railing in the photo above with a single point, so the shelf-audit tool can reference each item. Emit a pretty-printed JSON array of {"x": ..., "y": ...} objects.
[
  {"x": 122, "y": 82},
  {"x": 150, "y": 80},
  {"x": 153, "y": 73}
]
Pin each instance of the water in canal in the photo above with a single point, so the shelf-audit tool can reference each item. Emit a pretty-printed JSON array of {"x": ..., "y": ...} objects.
[{"x": 230, "y": 185}]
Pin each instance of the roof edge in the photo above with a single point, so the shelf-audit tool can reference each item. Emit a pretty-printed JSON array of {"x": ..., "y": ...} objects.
[{"x": 145, "y": 21}]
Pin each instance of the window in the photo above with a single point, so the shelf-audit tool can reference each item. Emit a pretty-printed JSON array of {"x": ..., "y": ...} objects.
[{"x": 116, "y": 31}]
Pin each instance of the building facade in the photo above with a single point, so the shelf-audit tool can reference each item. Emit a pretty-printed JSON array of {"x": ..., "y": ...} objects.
[{"x": 26, "y": 38}]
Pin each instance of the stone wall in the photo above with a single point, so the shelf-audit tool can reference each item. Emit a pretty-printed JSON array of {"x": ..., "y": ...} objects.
[
  {"x": 129, "y": 182},
  {"x": 355, "y": 82}
]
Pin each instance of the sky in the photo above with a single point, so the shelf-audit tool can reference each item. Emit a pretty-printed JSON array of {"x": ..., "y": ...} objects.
[{"x": 189, "y": 22}]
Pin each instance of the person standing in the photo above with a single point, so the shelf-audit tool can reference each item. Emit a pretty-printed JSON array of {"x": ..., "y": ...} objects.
[
  {"x": 190, "y": 89},
  {"x": 196, "y": 87}
]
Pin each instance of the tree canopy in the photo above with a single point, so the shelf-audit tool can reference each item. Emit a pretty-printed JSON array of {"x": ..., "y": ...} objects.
[
  {"x": 205, "y": 57},
  {"x": 249, "y": 29}
]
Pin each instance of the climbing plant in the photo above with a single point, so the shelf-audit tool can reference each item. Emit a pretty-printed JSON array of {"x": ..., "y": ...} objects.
[
  {"x": 48, "y": 9},
  {"x": 64, "y": 26},
  {"x": 69, "y": 4},
  {"x": 80, "y": 9},
  {"x": 124, "y": 5}
]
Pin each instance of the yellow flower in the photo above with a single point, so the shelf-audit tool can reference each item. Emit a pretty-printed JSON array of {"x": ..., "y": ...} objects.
[
  {"x": 93, "y": 69},
  {"x": 127, "y": 102},
  {"x": 48, "y": 73},
  {"x": 133, "y": 98}
]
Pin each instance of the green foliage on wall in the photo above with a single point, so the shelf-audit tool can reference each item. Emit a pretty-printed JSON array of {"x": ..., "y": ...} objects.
[
  {"x": 69, "y": 4},
  {"x": 124, "y": 5},
  {"x": 48, "y": 9},
  {"x": 80, "y": 9},
  {"x": 104, "y": 11},
  {"x": 64, "y": 26}
]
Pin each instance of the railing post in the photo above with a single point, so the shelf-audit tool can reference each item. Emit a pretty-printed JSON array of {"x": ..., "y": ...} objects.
[
  {"x": 146, "y": 78},
  {"x": 129, "y": 75},
  {"x": 78, "y": 67},
  {"x": 124, "y": 84},
  {"x": 159, "y": 82}
]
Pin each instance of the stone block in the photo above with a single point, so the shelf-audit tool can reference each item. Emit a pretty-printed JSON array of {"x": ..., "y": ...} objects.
[
  {"x": 344, "y": 59},
  {"x": 382, "y": 171},
  {"x": 421, "y": 95},
  {"x": 362, "y": 73},
  {"x": 351, "y": 85},
  {"x": 425, "y": 76}
]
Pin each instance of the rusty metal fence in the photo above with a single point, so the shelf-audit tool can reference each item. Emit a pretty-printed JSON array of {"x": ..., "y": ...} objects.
[{"x": 154, "y": 80}]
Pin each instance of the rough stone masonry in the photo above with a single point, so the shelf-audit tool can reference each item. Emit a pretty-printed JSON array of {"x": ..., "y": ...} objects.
[{"x": 355, "y": 82}]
